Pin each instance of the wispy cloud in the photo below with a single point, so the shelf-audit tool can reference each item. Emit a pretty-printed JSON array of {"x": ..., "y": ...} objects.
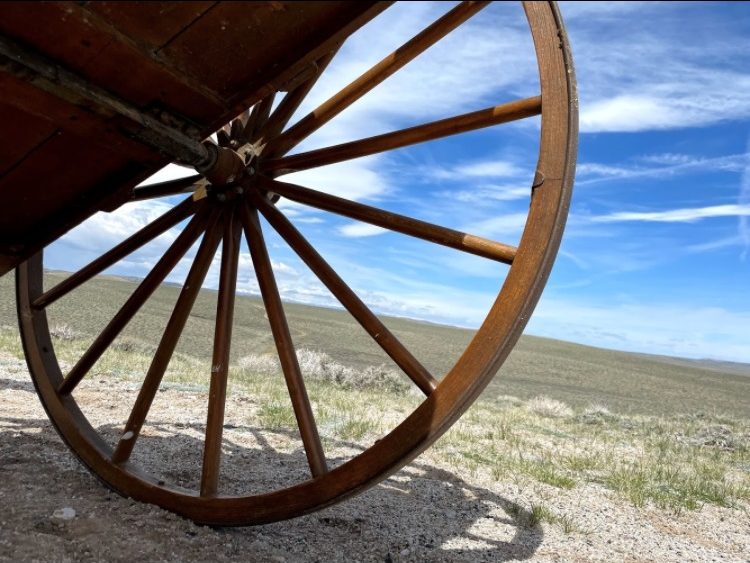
[
  {"x": 494, "y": 192},
  {"x": 478, "y": 169},
  {"x": 744, "y": 200},
  {"x": 356, "y": 230},
  {"x": 625, "y": 84},
  {"x": 713, "y": 245},
  {"x": 506, "y": 227},
  {"x": 659, "y": 166},
  {"x": 688, "y": 215}
]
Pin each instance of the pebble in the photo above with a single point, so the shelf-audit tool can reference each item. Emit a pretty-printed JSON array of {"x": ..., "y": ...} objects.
[{"x": 66, "y": 513}]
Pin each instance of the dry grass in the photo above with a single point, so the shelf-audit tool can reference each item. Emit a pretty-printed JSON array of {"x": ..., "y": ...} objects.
[{"x": 646, "y": 446}]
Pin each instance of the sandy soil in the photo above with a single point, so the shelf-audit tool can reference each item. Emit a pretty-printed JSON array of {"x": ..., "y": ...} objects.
[{"x": 52, "y": 509}]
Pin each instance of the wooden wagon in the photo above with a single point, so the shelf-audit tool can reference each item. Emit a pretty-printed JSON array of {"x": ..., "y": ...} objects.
[{"x": 98, "y": 96}]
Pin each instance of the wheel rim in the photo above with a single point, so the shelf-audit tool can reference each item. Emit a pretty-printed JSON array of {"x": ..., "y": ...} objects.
[{"x": 231, "y": 207}]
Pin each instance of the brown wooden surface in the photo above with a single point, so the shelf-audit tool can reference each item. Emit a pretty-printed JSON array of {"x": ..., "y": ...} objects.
[
  {"x": 201, "y": 61},
  {"x": 217, "y": 394}
]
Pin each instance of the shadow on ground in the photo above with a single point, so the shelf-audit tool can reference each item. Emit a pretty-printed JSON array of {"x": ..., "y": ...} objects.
[{"x": 422, "y": 513}]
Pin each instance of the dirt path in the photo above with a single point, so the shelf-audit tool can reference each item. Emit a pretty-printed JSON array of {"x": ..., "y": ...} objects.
[{"x": 52, "y": 509}]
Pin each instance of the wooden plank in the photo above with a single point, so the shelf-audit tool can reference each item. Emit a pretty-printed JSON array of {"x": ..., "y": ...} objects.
[
  {"x": 154, "y": 23},
  {"x": 51, "y": 179},
  {"x": 29, "y": 103},
  {"x": 267, "y": 39},
  {"x": 20, "y": 134},
  {"x": 86, "y": 45}
]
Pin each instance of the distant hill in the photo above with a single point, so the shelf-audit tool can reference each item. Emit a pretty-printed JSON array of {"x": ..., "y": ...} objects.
[{"x": 579, "y": 375}]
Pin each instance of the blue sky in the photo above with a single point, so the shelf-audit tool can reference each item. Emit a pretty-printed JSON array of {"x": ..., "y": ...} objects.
[{"x": 656, "y": 255}]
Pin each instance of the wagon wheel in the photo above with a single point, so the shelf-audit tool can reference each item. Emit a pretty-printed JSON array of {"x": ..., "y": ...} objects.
[{"x": 239, "y": 187}]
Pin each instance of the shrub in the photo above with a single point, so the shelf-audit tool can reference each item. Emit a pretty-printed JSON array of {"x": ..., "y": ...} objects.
[
  {"x": 318, "y": 366},
  {"x": 64, "y": 332},
  {"x": 550, "y": 408}
]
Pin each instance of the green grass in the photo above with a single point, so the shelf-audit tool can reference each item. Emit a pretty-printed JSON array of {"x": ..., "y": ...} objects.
[
  {"x": 276, "y": 416},
  {"x": 676, "y": 488},
  {"x": 538, "y": 514},
  {"x": 674, "y": 434}
]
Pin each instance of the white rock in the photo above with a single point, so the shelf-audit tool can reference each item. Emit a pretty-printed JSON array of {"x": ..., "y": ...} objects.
[{"x": 66, "y": 513}]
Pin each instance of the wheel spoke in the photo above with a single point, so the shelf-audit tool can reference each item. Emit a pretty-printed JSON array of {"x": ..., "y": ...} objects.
[
  {"x": 503, "y": 113},
  {"x": 394, "y": 222},
  {"x": 369, "y": 321},
  {"x": 223, "y": 138},
  {"x": 149, "y": 284},
  {"x": 168, "y": 343},
  {"x": 367, "y": 81},
  {"x": 244, "y": 117},
  {"x": 220, "y": 362},
  {"x": 146, "y": 234},
  {"x": 236, "y": 129},
  {"x": 162, "y": 189},
  {"x": 289, "y": 104},
  {"x": 258, "y": 117},
  {"x": 284, "y": 345}
]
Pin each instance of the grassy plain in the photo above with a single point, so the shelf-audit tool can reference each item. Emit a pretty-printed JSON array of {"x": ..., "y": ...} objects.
[
  {"x": 667, "y": 432},
  {"x": 578, "y": 375}
]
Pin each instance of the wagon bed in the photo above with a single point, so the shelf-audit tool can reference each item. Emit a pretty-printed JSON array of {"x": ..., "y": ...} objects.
[{"x": 194, "y": 64}]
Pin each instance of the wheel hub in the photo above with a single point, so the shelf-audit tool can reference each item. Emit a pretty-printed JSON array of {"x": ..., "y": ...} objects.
[{"x": 227, "y": 168}]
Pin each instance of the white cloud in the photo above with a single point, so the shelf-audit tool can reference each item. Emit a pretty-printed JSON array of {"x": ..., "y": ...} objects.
[
  {"x": 661, "y": 70},
  {"x": 356, "y": 230},
  {"x": 104, "y": 230},
  {"x": 441, "y": 82},
  {"x": 353, "y": 179},
  {"x": 506, "y": 227},
  {"x": 478, "y": 169},
  {"x": 687, "y": 215},
  {"x": 628, "y": 112}
]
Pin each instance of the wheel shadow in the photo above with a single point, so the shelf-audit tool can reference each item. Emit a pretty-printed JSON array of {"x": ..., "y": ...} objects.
[{"x": 422, "y": 513}]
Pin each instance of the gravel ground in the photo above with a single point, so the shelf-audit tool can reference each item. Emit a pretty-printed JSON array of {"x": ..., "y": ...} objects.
[{"x": 51, "y": 509}]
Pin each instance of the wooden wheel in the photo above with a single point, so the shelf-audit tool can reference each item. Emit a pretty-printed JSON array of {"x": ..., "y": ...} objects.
[{"x": 242, "y": 185}]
